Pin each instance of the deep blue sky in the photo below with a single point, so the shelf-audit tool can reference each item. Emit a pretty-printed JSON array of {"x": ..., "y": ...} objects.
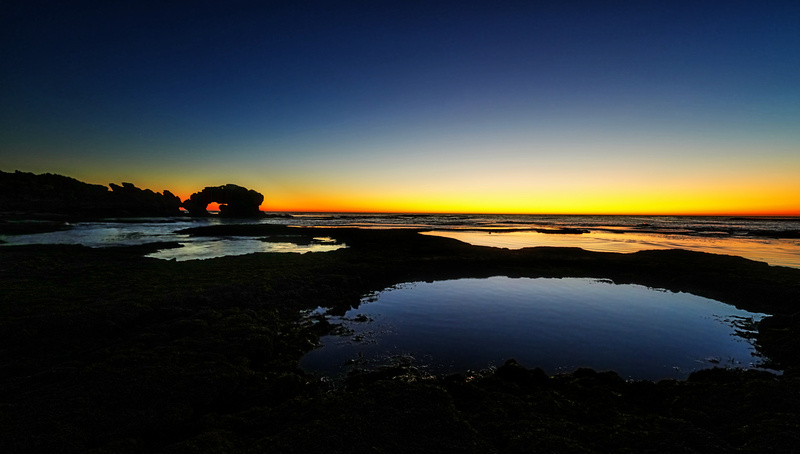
[{"x": 417, "y": 106}]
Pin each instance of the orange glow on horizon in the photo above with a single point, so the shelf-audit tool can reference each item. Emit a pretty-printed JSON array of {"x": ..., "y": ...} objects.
[
  {"x": 509, "y": 193},
  {"x": 517, "y": 190},
  {"x": 460, "y": 209},
  {"x": 600, "y": 203},
  {"x": 752, "y": 213},
  {"x": 768, "y": 203}
]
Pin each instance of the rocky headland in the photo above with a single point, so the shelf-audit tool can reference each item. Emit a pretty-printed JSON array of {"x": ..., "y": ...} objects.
[{"x": 49, "y": 198}]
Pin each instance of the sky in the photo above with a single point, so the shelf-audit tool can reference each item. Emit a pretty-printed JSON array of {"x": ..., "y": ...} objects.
[{"x": 533, "y": 107}]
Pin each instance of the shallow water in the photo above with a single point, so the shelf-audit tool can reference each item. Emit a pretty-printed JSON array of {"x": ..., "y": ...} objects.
[
  {"x": 556, "y": 324},
  {"x": 782, "y": 252},
  {"x": 721, "y": 235},
  {"x": 200, "y": 248},
  {"x": 132, "y": 232}
]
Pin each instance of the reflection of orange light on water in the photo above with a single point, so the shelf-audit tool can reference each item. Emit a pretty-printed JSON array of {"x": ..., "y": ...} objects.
[{"x": 774, "y": 251}]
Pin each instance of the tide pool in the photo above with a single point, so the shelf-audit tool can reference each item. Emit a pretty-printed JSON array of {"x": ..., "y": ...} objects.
[{"x": 556, "y": 324}]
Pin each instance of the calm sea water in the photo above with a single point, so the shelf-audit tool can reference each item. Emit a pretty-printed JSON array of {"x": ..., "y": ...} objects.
[
  {"x": 556, "y": 324},
  {"x": 722, "y": 235}
]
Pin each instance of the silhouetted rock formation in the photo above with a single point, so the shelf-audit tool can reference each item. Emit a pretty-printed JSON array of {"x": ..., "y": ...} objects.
[
  {"x": 144, "y": 202},
  {"x": 235, "y": 201},
  {"x": 49, "y": 194},
  {"x": 28, "y": 193}
]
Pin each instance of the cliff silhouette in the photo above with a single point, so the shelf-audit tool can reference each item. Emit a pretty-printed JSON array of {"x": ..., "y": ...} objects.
[{"x": 25, "y": 193}]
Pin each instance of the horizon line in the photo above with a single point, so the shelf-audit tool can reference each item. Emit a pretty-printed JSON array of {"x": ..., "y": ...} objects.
[{"x": 475, "y": 213}]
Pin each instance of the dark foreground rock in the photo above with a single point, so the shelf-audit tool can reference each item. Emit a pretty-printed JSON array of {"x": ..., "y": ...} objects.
[{"x": 102, "y": 350}]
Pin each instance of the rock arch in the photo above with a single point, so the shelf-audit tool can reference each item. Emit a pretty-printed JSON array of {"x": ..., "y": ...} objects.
[{"x": 234, "y": 201}]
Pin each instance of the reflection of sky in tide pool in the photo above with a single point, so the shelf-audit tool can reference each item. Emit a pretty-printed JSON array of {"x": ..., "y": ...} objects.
[
  {"x": 132, "y": 233},
  {"x": 783, "y": 252},
  {"x": 556, "y": 324},
  {"x": 102, "y": 234},
  {"x": 207, "y": 248}
]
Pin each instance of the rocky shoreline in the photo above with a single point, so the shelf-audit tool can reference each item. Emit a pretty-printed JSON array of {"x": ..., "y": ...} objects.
[{"x": 106, "y": 351}]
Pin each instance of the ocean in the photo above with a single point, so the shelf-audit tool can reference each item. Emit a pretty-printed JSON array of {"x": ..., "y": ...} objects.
[{"x": 774, "y": 240}]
